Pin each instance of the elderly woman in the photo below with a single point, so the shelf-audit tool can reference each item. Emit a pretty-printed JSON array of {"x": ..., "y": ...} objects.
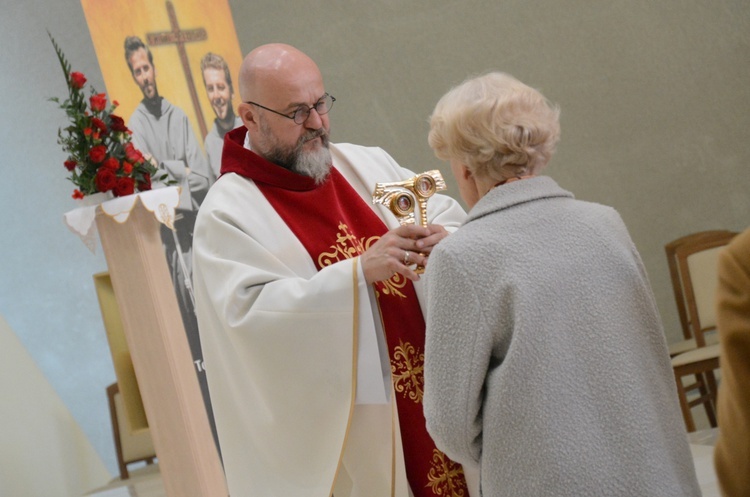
[{"x": 545, "y": 360}]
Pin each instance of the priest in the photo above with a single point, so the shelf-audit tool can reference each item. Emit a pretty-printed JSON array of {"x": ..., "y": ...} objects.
[{"x": 309, "y": 308}]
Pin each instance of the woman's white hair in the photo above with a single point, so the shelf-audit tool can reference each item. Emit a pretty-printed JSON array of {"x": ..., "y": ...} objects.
[{"x": 495, "y": 125}]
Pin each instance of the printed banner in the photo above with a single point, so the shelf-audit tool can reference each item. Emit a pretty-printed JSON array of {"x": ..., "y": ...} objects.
[
  {"x": 179, "y": 33},
  {"x": 172, "y": 66}
]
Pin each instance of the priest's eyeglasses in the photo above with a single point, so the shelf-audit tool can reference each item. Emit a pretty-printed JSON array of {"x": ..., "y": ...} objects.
[{"x": 300, "y": 115}]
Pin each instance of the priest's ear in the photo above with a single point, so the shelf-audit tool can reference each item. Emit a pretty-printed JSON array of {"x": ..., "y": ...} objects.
[{"x": 249, "y": 116}]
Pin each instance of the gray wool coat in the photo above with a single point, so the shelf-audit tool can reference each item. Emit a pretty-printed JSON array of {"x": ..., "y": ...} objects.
[{"x": 545, "y": 359}]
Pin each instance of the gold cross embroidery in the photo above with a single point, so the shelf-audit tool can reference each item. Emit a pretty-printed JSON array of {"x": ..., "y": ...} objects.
[
  {"x": 407, "y": 368},
  {"x": 445, "y": 476}
]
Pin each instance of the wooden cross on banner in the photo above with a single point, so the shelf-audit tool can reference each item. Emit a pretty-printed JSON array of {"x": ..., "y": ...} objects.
[{"x": 179, "y": 37}]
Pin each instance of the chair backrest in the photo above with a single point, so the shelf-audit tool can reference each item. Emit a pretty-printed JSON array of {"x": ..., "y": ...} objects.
[
  {"x": 130, "y": 446},
  {"x": 676, "y": 276},
  {"x": 135, "y": 418},
  {"x": 696, "y": 261}
]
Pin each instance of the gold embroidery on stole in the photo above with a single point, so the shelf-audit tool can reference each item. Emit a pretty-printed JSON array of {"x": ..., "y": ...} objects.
[
  {"x": 347, "y": 247},
  {"x": 407, "y": 369},
  {"x": 446, "y": 477}
]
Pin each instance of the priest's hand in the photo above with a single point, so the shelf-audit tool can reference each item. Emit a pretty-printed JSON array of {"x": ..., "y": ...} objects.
[
  {"x": 436, "y": 233},
  {"x": 399, "y": 250}
]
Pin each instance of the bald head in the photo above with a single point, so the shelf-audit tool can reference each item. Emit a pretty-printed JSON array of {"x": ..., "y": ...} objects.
[
  {"x": 275, "y": 81},
  {"x": 275, "y": 68}
]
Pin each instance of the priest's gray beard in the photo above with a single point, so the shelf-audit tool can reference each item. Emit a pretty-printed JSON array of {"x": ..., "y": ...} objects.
[{"x": 316, "y": 164}]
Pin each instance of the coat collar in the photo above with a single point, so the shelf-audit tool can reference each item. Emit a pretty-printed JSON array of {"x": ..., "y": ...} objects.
[{"x": 517, "y": 192}]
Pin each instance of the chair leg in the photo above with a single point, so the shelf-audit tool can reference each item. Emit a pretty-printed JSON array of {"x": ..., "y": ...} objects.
[
  {"x": 687, "y": 416},
  {"x": 713, "y": 390},
  {"x": 705, "y": 397},
  {"x": 113, "y": 390}
]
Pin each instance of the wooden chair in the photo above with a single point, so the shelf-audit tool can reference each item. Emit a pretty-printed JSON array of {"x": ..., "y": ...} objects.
[
  {"x": 131, "y": 446},
  {"x": 694, "y": 282},
  {"x": 688, "y": 343},
  {"x": 130, "y": 427}
]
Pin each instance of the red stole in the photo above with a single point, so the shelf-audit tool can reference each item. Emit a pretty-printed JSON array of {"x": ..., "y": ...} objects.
[{"x": 336, "y": 224}]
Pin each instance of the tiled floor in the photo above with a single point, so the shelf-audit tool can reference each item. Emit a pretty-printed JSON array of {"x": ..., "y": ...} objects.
[
  {"x": 143, "y": 482},
  {"x": 702, "y": 446},
  {"x": 146, "y": 482}
]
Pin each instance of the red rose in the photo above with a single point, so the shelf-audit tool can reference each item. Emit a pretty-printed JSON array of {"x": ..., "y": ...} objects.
[
  {"x": 98, "y": 102},
  {"x": 87, "y": 131},
  {"x": 127, "y": 167},
  {"x": 98, "y": 154},
  {"x": 124, "y": 186},
  {"x": 105, "y": 179},
  {"x": 77, "y": 194},
  {"x": 77, "y": 80},
  {"x": 99, "y": 124},
  {"x": 133, "y": 154},
  {"x": 145, "y": 184},
  {"x": 70, "y": 164},
  {"x": 117, "y": 123},
  {"x": 111, "y": 163}
]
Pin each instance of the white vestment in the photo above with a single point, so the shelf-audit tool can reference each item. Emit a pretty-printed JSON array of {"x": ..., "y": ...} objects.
[{"x": 280, "y": 341}]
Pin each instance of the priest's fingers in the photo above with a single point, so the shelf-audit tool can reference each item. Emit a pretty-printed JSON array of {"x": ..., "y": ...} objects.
[
  {"x": 419, "y": 238},
  {"x": 388, "y": 256},
  {"x": 411, "y": 231},
  {"x": 436, "y": 234},
  {"x": 413, "y": 264},
  {"x": 412, "y": 258}
]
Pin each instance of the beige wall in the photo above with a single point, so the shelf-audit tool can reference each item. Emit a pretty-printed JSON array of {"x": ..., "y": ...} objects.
[
  {"x": 655, "y": 113},
  {"x": 655, "y": 96}
]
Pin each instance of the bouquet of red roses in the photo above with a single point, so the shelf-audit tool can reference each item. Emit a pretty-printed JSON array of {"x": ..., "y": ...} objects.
[{"x": 101, "y": 157}]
